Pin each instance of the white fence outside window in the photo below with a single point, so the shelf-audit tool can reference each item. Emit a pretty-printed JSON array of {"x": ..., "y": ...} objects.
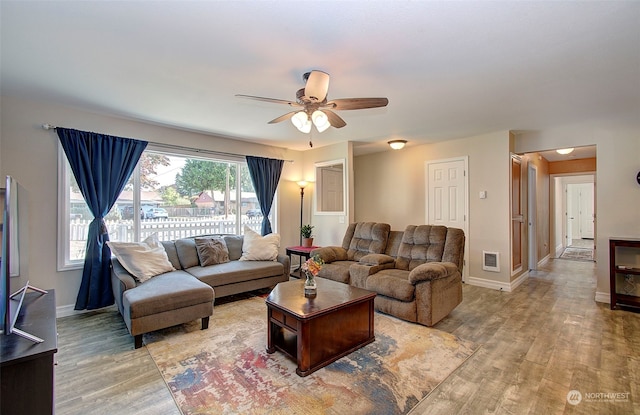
[{"x": 167, "y": 230}]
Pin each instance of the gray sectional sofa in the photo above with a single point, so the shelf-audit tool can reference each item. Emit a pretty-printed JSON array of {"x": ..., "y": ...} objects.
[
  {"x": 188, "y": 292},
  {"x": 416, "y": 273}
]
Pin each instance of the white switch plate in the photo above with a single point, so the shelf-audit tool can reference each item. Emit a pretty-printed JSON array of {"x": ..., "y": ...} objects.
[{"x": 483, "y": 194}]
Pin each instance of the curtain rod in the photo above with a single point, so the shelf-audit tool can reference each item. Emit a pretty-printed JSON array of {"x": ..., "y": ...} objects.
[{"x": 175, "y": 147}]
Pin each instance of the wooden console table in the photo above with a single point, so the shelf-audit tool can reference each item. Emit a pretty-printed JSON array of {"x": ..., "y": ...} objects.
[{"x": 26, "y": 368}]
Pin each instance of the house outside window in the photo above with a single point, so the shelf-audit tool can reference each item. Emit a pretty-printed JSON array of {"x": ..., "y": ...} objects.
[{"x": 174, "y": 194}]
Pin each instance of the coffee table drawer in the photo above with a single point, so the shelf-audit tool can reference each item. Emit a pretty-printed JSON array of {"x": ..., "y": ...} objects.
[{"x": 284, "y": 320}]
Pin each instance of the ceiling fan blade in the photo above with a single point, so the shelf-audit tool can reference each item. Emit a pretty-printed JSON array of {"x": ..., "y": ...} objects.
[
  {"x": 317, "y": 86},
  {"x": 282, "y": 117},
  {"x": 334, "y": 119},
  {"x": 357, "y": 103},
  {"x": 271, "y": 100}
]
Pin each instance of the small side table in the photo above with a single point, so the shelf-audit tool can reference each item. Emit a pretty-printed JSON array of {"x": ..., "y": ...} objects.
[{"x": 301, "y": 251}]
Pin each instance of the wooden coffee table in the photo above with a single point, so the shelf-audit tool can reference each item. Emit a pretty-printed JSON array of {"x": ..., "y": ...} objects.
[{"x": 318, "y": 331}]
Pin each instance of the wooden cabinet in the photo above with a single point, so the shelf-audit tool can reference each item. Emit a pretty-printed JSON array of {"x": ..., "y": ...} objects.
[
  {"x": 624, "y": 272},
  {"x": 26, "y": 368}
]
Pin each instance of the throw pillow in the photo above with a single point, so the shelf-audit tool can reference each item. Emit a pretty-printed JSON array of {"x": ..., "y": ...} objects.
[
  {"x": 144, "y": 259},
  {"x": 256, "y": 247},
  {"x": 212, "y": 251}
]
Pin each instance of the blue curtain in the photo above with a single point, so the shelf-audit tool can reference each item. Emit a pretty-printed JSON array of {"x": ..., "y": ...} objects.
[
  {"x": 102, "y": 165},
  {"x": 265, "y": 175}
]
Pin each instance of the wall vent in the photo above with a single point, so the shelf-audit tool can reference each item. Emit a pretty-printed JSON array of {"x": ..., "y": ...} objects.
[{"x": 491, "y": 261}]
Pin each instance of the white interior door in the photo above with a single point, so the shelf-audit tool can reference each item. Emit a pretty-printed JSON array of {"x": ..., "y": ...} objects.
[
  {"x": 332, "y": 192},
  {"x": 447, "y": 196},
  {"x": 586, "y": 210}
]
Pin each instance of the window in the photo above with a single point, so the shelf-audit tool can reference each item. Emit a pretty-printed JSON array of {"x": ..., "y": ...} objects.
[{"x": 174, "y": 194}]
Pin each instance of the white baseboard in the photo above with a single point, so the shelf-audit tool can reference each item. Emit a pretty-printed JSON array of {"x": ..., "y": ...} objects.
[
  {"x": 603, "y": 297},
  {"x": 497, "y": 285}
]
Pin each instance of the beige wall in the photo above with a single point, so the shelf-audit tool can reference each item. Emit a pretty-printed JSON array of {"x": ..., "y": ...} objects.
[
  {"x": 29, "y": 153},
  {"x": 617, "y": 195},
  {"x": 390, "y": 187}
]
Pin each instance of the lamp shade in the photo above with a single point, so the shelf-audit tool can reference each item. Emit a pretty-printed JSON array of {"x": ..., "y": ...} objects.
[
  {"x": 320, "y": 120},
  {"x": 564, "y": 150},
  {"x": 302, "y": 184},
  {"x": 397, "y": 144}
]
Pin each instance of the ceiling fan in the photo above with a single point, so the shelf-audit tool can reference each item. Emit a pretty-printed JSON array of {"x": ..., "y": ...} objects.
[{"x": 312, "y": 106}]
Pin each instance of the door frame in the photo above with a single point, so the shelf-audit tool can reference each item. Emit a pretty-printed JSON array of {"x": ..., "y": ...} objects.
[
  {"x": 532, "y": 209},
  {"x": 465, "y": 160},
  {"x": 559, "y": 207}
]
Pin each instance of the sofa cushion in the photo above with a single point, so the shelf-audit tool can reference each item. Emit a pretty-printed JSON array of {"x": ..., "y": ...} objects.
[
  {"x": 368, "y": 238},
  {"x": 236, "y": 271},
  {"x": 144, "y": 259},
  {"x": 234, "y": 245},
  {"x": 256, "y": 247},
  {"x": 421, "y": 244},
  {"x": 212, "y": 250},
  {"x": 172, "y": 254},
  {"x": 392, "y": 283},
  {"x": 170, "y": 291},
  {"x": 187, "y": 253}
]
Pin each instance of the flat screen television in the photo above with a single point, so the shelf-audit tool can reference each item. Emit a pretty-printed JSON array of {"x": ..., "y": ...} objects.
[{"x": 10, "y": 304}]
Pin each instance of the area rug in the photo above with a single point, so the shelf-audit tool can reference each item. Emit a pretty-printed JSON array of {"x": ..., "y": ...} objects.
[
  {"x": 577, "y": 254},
  {"x": 226, "y": 369}
]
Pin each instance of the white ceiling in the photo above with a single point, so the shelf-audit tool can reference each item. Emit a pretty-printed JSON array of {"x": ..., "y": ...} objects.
[{"x": 449, "y": 69}]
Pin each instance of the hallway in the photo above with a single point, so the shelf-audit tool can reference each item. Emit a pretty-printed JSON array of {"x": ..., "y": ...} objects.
[{"x": 579, "y": 250}]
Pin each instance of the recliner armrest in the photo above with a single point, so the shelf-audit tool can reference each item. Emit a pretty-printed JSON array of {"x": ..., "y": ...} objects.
[
  {"x": 432, "y": 271},
  {"x": 377, "y": 259},
  {"x": 330, "y": 253}
]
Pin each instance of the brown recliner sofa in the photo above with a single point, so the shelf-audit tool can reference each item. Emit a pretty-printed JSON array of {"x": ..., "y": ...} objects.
[{"x": 416, "y": 273}]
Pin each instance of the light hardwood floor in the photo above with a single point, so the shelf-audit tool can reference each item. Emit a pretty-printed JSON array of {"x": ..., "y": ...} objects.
[{"x": 541, "y": 341}]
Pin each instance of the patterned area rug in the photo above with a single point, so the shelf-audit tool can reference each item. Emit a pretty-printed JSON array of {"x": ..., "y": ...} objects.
[
  {"x": 577, "y": 254},
  {"x": 226, "y": 369}
]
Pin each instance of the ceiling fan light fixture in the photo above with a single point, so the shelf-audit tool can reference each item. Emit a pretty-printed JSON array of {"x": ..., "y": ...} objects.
[
  {"x": 397, "y": 144},
  {"x": 564, "y": 150},
  {"x": 320, "y": 120},
  {"x": 301, "y": 121},
  {"x": 317, "y": 85}
]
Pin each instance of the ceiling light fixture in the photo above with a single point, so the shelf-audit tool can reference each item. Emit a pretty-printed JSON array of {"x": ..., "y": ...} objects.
[
  {"x": 320, "y": 120},
  {"x": 564, "y": 150},
  {"x": 303, "y": 122},
  {"x": 397, "y": 144}
]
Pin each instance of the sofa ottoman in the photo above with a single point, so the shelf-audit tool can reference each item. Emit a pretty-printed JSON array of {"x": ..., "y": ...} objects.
[{"x": 164, "y": 301}]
